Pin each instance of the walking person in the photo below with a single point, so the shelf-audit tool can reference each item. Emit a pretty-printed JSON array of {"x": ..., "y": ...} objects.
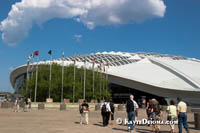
[
  {"x": 132, "y": 112},
  {"x": 84, "y": 109},
  {"x": 172, "y": 114},
  {"x": 112, "y": 107},
  {"x": 26, "y": 104},
  {"x": 16, "y": 105},
  {"x": 148, "y": 109},
  {"x": 182, "y": 115},
  {"x": 156, "y": 115},
  {"x": 29, "y": 103},
  {"x": 105, "y": 112}
]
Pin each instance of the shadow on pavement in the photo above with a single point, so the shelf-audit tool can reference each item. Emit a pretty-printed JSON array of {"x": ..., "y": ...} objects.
[
  {"x": 144, "y": 131},
  {"x": 119, "y": 129},
  {"x": 149, "y": 131},
  {"x": 77, "y": 122},
  {"x": 193, "y": 128},
  {"x": 97, "y": 124}
]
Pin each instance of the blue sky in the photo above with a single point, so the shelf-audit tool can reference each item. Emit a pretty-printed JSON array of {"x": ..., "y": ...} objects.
[{"x": 177, "y": 33}]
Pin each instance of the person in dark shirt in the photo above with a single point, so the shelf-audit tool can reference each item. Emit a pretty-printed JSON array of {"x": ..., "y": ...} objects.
[
  {"x": 148, "y": 108},
  {"x": 132, "y": 112},
  {"x": 25, "y": 104},
  {"x": 112, "y": 107},
  {"x": 84, "y": 109}
]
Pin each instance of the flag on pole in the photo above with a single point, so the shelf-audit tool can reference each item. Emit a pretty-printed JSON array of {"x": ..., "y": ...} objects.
[
  {"x": 50, "y": 52},
  {"x": 36, "y": 53}
]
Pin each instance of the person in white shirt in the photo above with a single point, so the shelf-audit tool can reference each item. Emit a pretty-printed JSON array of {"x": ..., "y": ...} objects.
[
  {"x": 16, "y": 107},
  {"x": 172, "y": 114},
  {"x": 182, "y": 115},
  {"x": 105, "y": 112}
]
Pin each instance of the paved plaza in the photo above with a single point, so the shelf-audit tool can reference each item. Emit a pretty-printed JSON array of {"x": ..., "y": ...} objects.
[{"x": 56, "y": 121}]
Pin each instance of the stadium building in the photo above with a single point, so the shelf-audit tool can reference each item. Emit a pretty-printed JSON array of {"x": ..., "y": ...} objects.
[{"x": 153, "y": 75}]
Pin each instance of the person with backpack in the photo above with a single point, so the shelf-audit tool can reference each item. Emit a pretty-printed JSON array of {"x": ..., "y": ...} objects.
[
  {"x": 105, "y": 112},
  {"x": 112, "y": 107},
  {"x": 156, "y": 114},
  {"x": 84, "y": 109},
  {"x": 132, "y": 112}
]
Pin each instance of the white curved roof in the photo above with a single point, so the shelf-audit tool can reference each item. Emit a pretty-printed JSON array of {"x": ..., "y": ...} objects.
[
  {"x": 149, "y": 73},
  {"x": 158, "y": 70}
]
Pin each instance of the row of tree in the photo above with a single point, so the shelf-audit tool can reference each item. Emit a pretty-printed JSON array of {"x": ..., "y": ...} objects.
[{"x": 101, "y": 89}]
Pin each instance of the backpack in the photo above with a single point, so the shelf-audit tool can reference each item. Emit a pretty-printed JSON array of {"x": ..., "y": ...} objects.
[
  {"x": 103, "y": 109},
  {"x": 130, "y": 106},
  {"x": 157, "y": 109}
]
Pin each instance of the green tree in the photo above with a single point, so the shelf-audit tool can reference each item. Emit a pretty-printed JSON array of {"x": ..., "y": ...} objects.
[{"x": 56, "y": 84}]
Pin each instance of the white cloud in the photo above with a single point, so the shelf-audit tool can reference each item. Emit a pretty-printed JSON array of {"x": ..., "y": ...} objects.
[
  {"x": 78, "y": 38},
  {"x": 90, "y": 12}
]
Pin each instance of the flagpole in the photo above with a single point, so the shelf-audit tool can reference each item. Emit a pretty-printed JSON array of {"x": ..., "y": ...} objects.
[
  {"x": 74, "y": 80},
  {"x": 27, "y": 74},
  {"x": 50, "y": 76},
  {"x": 107, "y": 77},
  {"x": 93, "y": 78},
  {"x": 93, "y": 83},
  {"x": 84, "y": 80},
  {"x": 32, "y": 65},
  {"x": 62, "y": 78},
  {"x": 32, "y": 72},
  {"x": 36, "y": 80},
  {"x": 100, "y": 80},
  {"x": 103, "y": 76}
]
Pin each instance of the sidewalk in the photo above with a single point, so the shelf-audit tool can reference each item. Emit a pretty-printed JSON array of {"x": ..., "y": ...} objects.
[{"x": 55, "y": 121}]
